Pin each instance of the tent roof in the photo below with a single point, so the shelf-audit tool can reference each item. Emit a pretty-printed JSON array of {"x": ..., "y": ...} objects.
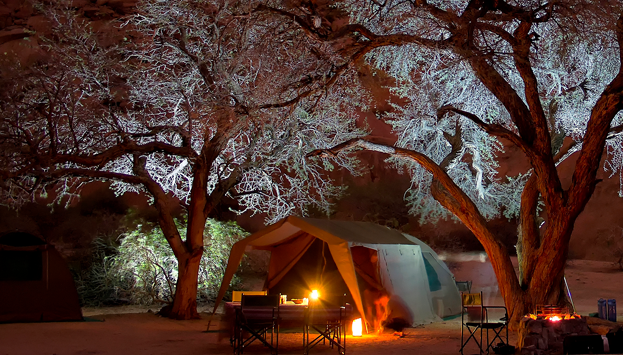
[
  {"x": 20, "y": 239},
  {"x": 328, "y": 230}
]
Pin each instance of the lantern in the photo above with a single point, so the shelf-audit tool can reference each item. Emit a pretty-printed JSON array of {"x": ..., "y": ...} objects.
[
  {"x": 314, "y": 295},
  {"x": 357, "y": 327}
]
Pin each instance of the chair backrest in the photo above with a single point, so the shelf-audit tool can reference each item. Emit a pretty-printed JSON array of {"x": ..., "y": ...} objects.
[
  {"x": 236, "y": 296},
  {"x": 472, "y": 307},
  {"x": 471, "y": 299},
  {"x": 328, "y": 308},
  {"x": 330, "y": 301},
  {"x": 260, "y": 300},
  {"x": 258, "y": 310},
  {"x": 464, "y": 286}
]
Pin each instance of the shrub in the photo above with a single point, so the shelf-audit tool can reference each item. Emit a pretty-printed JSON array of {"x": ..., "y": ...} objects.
[
  {"x": 98, "y": 283},
  {"x": 142, "y": 269}
]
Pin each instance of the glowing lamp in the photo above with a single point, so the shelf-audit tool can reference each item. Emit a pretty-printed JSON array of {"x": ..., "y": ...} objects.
[
  {"x": 314, "y": 295},
  {"x": 357, "y": 327},
  {"x": 555, "y": 318}
]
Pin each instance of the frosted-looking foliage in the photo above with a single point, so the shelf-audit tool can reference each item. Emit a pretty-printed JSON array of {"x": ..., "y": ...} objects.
[
  {"x": 193, "y": 85},
  {"x": 420, "y": 128},
  {"x": 573, "y": 57}
]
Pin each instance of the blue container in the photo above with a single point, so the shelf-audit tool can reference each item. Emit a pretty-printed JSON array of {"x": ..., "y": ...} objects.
[
  {"x": 612, "y": 310},
  {"x": 602, "y": 308}
]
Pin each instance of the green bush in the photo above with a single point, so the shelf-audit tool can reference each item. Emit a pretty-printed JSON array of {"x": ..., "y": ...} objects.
[
  {"x": 142, "y": 269},
  {"x": 97, "y": 282}
]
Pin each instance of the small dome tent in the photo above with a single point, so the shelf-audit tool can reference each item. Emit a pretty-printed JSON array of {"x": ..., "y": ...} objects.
[
  {"x": 36, "y": 283},
  {"x": 358, "y": 258}
]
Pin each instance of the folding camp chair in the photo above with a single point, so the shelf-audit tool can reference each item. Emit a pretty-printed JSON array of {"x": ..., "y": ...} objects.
[
  {"x": 327, "y": 317},
  {"x": 236, "y": 296},
  {"x": 257, "y": 317},
  {"x": 476, "y": 318}
]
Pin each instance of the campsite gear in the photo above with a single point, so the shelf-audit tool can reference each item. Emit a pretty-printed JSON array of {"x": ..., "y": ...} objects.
[
  {"x": 35, "y": 281},
  {"x": 602, "y": 308},
  {"x": 612, "y": 310},
  {"x": 257, "y": 317},
  {"x": 583, "y": 344},
  {"x": 236, "y": 296},
  {"x": 504, "y": 349},
  {"x": 569, "y": 293},
  {"x": 343, "y": 255},
  {"x": 477, "y": 318},
  {"x": 326, "y": 319},
  {"x": 291, "y": 315},
  {"x": 615, "y": 341}
]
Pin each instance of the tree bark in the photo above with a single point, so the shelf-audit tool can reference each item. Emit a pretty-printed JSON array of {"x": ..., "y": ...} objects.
[{"x": 185, "y": 300}]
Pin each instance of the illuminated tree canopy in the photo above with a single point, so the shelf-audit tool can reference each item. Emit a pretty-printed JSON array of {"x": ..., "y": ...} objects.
[{"x": 192, "y": 103}]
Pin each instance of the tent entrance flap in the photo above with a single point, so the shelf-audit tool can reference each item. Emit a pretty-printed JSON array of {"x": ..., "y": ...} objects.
[{"x": 284, "y": 256}]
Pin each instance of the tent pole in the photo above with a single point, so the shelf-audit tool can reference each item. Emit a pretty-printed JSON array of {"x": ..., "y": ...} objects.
[
  {"x": 569, "y": 292},
  {"x": 210, "y": 321},
  {"x": 47, "y": 269}
]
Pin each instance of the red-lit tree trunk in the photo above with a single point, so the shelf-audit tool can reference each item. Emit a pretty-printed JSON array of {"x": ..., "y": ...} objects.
[
  {"x": 188, "y": 252},
  {"x": 185, "y": 301}
]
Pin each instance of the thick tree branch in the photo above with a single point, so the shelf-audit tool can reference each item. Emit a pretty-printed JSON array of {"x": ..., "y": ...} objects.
[
  {"x": 492, "y": 129},
  {"x": 163, "y": 206},
  {"x": 119, "y": 150},
  {"x": 529, "y": 241},
  {"x": 604, "y": 111}
]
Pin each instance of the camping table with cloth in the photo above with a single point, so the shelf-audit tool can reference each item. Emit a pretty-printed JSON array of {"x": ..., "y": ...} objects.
[{"x": 290, "y": 316}]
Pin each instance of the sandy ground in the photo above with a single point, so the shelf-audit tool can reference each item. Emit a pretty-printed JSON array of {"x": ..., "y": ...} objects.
[{"x": 136, "y": 330}]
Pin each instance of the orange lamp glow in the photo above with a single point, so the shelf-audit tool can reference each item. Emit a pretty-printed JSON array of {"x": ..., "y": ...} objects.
[
  {"x": 314, "y": 295},
  {"x": 555, "y": 318},
  {"x": 357, "y": 327}
]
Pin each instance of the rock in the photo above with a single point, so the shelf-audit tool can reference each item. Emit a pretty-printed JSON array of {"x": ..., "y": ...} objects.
[
  {"x": 123, "y": 6},
  {"x": 24, "y": 11},
  {"x": 528, "y": 350},
  {"x": 79, "y": 3},
  {"x": 552, "y": 336},
  {"x": 594, "y": 321},
  {"x": 555, "y": 345},
  {"x": 542, "y": 344},
  {"x": 12, "y": 34},
  {"x": 530, "y": 340},
  {"x": 572, "y": 326},
  {"x": 545, "y": 332},
  {"x": 535, "y": 327},
  {"x": 599, "y": 329}
]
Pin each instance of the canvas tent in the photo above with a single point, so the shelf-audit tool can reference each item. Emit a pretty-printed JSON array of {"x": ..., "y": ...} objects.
[
  {"x": 354, "y": 257},
  {"x": 35, "y": 281}
]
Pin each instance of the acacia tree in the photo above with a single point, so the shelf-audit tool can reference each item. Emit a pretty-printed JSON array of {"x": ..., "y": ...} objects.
[
  {"x": 479, "y": 72},
  {"x": 196, "y": 103}
]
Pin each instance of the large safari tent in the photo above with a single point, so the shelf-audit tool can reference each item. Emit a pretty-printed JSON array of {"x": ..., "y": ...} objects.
[{"x": 353, "y": 258}]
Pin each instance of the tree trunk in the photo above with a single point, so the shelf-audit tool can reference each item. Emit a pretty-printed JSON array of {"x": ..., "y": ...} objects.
[
  {"x": 185, "y": 300},
  {"x": 539, "y": 293}
]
